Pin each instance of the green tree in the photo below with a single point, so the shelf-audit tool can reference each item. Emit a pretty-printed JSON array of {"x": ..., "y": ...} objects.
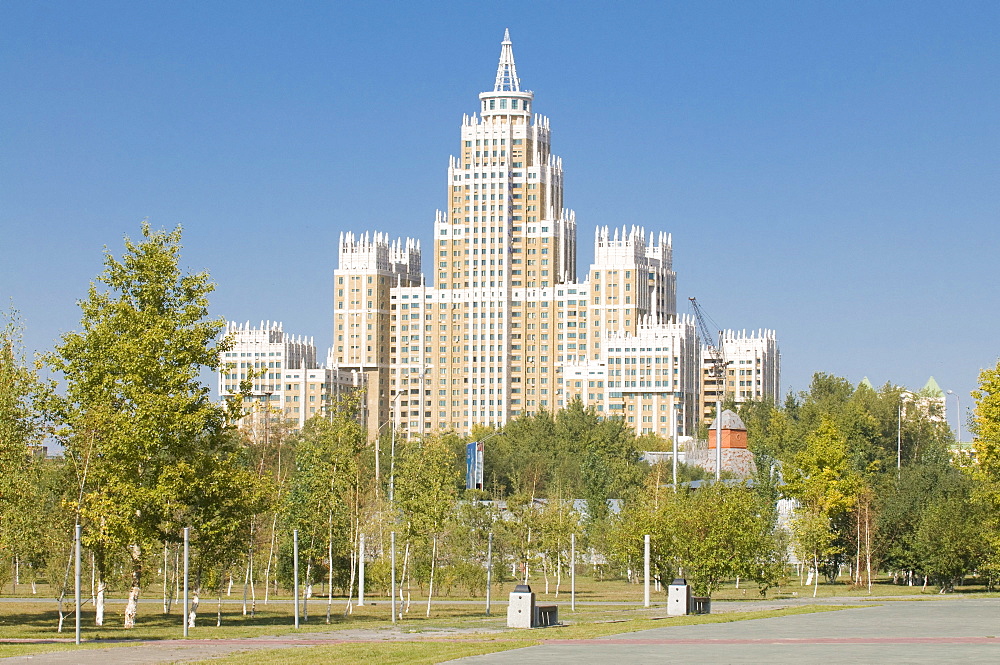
[
  {"x": 426, "y": 483},
  {"x": 986, "y": 471},
  {"x": 709, "y": 535},
  {"x": 823, "y": 484},
  {"x": 138, "y": 424},
  {"x": 949, "y": 538},
  {"x": 20, "y": 432},
  {"x": 324, "y": 498}
]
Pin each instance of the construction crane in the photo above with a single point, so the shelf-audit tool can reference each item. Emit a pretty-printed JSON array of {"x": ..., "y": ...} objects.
[
  {"x": 717, "y": 361},
  {"x": 717, "y": 358}
]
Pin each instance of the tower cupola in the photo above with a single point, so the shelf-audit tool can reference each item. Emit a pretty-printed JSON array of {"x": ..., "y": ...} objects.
[{"x": 506, "y": 98}]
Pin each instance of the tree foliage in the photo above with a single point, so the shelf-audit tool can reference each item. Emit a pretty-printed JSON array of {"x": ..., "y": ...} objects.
[
  {"x": 709, "y": 535},
  {"x": 151, "y": 449}
]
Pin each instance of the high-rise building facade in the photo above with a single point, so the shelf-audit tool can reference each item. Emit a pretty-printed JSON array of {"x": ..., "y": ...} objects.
[
  {"x": 752, "y": 371},
  {"x": 507, "y": 329}
]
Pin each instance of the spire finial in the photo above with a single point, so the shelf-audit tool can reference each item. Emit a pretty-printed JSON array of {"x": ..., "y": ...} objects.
[{"x": 507, "y": 80}]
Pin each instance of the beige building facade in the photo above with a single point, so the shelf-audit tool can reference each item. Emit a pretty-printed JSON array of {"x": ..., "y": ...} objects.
[
  {"x": 752, "y": 371},
  {"x": 507, "y": 329}
]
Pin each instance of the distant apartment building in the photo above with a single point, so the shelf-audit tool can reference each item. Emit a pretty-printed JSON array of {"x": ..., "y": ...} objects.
[
  {"x": 286, "y": 383},
  {"x": 752, "y": 371}
]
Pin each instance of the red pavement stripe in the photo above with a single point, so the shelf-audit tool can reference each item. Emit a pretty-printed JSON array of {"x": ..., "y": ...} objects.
[
  {"x": 567, "y": 642},
  {"x": 791, "y": 641}
]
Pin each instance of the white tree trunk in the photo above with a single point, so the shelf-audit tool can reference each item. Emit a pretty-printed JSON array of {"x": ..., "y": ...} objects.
[
  {"x": 349, "y": 608},
  {"x": 308, "y": 593},
  {"x": 246, "y": 584},
  {"x": 430, "y": 588},
  {"x": 857, "y": 564},
  {"x": 99, "y": 603},
  {"x": 270, "y": 555},
  {"x": 193, "y": 611},
  {"x": 527, "y": 556},
  {"x": 132, "y": 606},
  {"x": 177, "y": 573},
  {"x": 868, "y": 548},
  {"x": 166, "y": 580},
  {"x": 253, "y": 590},
  {"x": 406, "y": 570},
  {"x": 558, "y": 572}
]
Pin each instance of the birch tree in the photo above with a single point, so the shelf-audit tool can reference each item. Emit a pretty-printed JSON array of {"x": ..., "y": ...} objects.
[
  {"x": 986, "y": 473},
  {"x": 825, "y": 488},
  {"x": 19, "y": 429},
  {"x": 324, "y": 498},
  {"x": 426, "y": 488},
  {"x": 134, "y": 408}
]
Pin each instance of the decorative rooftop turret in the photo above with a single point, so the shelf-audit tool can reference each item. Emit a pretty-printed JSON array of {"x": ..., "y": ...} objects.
[
  {"x": 506, "y": 98},
  {"x": 507, "y": 80}
]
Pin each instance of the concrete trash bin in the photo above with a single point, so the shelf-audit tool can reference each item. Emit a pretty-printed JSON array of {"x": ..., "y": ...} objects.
[
  {"x": 678, "y": 598},
  {"x": 521, "y": 608}
]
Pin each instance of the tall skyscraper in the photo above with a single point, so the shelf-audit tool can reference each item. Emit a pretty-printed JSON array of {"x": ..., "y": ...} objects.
[{"x": 507, "y": 329}]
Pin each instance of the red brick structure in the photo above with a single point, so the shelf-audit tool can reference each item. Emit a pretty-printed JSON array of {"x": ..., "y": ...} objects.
[{"x": 734, "y": 432}]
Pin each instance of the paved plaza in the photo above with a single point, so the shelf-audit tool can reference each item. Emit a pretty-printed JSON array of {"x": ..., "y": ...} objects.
[
  {"x": 919, "y": 631},
  {"x": 954, "y": 630}
]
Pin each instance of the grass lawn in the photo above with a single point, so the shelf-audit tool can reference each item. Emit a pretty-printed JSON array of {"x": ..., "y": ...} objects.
[
  {"x": 384, "y": 653},
  {"x": 21, "y": 618},
  {"x": 9, "y": 650}
]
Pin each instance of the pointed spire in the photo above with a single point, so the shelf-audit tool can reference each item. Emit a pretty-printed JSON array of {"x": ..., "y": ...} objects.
[{"x": 507, "y": 80}]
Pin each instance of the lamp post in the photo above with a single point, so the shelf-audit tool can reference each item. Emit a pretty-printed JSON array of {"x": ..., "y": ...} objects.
[
  {"x": 673, "y": 458},
  {"x": 378, "y": 438},
  {"x": 392, "y": 455},
  {"x": 958, "y": 414},
  {"x": 718, "y": 439}
]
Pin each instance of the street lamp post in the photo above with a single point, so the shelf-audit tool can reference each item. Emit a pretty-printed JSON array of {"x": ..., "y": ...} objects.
[
  {"x": 673, "y": 458},
  {"x": 378, "y": 438},
  {"x": 392, "y": 453},
  {"x": 392, "y": 468}
]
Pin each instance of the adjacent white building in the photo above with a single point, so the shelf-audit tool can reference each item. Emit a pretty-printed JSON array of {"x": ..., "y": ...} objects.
[
  {"x": 285, "y": 382},
  {"x": 753, "y": 369}
]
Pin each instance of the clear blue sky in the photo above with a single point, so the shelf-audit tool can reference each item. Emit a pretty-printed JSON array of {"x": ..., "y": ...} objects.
[{"x": 829, "y": 170}]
